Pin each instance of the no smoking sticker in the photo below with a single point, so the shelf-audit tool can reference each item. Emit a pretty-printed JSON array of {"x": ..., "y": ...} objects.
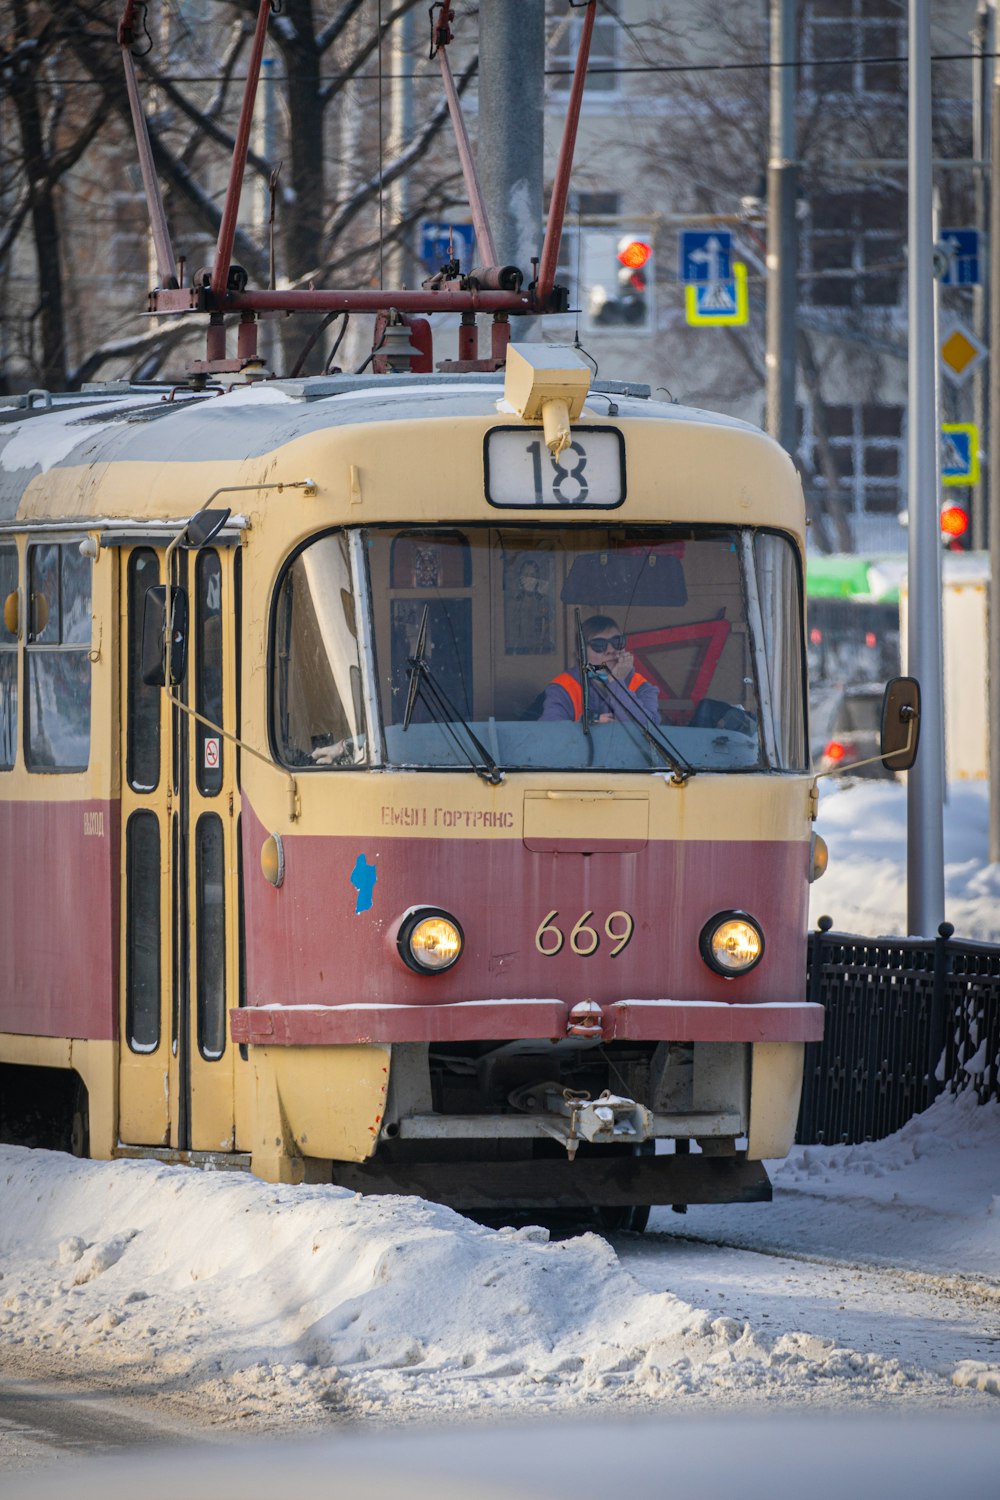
[{"x": 213, "y": 752}]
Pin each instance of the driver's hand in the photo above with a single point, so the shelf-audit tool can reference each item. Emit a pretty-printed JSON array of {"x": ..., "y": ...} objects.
[
  {"x": 341, "y": 752},
  {"x": 623, "y": 666},
  {"x": 326, "y": 755}
]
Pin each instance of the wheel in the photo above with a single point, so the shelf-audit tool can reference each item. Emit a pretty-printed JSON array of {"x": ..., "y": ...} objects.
[
  {"x": 79, "y": 1129},
  {"x": 632, "y": 1218}
]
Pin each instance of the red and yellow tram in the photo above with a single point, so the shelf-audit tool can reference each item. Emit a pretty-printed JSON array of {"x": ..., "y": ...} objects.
[
  {"x": 403, "y": 776},
  {"x": 340, "y": 900}
]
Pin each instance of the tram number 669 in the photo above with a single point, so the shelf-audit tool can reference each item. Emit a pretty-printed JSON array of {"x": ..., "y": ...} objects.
[{"x": 584, "y": 939}]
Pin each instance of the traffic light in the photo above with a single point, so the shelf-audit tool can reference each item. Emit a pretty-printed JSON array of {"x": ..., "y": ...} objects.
[
  {"x": 617, "y": 277},
  {"x": 955, "y": 530}
]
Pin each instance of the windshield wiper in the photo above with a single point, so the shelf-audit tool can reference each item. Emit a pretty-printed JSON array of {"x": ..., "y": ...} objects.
[
  {"x": 681, "y": 768},
  {"x": 442, "y": 710},
  {"x": 581, "y": 651}
]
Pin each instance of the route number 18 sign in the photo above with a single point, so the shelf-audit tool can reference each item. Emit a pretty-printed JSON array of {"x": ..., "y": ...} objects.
[{"x": 521, "y": 472}]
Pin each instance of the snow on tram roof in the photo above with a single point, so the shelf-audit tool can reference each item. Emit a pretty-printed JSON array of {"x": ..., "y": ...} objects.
[{"x": 117, "y": 423}]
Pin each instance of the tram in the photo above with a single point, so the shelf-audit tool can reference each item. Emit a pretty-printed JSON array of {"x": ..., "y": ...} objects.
[{"x": 308, "y": 867}]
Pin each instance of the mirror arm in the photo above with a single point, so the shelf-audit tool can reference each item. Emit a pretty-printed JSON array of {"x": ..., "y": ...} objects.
[
  {"x": 234, "y": 739},
  {"x": 872, "y": 760}
]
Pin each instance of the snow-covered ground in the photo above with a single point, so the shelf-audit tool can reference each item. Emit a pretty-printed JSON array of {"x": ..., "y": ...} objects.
[
  {"x": 864, "y": 889},
  {"x": 872, "y": 1279}
]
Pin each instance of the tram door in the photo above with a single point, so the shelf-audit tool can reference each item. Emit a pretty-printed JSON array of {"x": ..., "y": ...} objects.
[{"x": 180, "y": 887}]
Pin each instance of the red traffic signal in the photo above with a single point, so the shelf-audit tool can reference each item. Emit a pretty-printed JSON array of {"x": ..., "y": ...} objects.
[
  {"x": 634, "y": 254},
  {"x": 955, "y": 526}
]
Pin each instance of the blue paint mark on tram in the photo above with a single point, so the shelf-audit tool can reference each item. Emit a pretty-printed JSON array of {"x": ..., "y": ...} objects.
[{"x": 363, "y": 878}]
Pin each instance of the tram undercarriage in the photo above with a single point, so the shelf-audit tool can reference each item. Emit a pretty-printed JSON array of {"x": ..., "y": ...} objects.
[{"x": 536, "y": 1124}]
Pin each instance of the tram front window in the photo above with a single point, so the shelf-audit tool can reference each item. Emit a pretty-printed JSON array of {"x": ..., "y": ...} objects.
[{"x": 480, "y": 635}]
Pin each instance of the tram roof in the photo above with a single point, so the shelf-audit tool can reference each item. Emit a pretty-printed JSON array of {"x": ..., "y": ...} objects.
[{"x": 117, "y": 423}]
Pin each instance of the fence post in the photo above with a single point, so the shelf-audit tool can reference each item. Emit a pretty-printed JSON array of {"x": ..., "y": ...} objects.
[
  {"x": 938, "y": 1028},
  {"x": 806, "y": 1132},
  {"x": 816, "y": 967}
]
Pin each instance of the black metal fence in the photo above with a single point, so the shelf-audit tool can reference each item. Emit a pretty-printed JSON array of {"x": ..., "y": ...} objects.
[{"x": 905, "y": 1019}]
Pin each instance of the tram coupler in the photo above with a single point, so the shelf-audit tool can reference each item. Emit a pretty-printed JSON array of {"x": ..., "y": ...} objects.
[{"x": 572, "y": 1117}]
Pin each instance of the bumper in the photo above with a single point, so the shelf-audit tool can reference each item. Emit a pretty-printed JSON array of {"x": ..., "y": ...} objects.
[{"x": 509, "y": 1020}]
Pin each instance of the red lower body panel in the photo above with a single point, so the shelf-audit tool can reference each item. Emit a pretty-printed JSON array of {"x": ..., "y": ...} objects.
[{"x": 59, "y": 919}]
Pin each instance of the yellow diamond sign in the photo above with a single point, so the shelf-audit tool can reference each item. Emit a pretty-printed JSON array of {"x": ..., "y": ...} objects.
[{"x": 960, "y": 352}]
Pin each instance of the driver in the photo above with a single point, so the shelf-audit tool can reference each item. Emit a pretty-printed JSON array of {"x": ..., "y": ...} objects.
[{"x": 616, "y": 689}]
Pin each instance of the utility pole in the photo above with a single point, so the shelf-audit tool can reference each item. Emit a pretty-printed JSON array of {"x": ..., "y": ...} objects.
[
  {"x": 925, "y": 782},
  {"x": 983, "y": 43},
  {"x": 993, "y": 481},
  {"x": 782, "y": 245},
  {"x": 512, "y": 126},
  {"x": 401, "y": 54}
]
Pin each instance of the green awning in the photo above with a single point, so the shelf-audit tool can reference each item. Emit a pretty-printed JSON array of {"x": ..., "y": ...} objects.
[{"x": 848, "y": 576}]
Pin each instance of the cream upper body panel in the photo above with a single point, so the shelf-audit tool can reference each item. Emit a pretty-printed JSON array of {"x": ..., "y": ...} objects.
[{"x": 392, "y": 452}]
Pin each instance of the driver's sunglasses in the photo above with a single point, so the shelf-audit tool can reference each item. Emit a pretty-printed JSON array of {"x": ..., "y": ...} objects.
[{"x": 602, "y": 643}]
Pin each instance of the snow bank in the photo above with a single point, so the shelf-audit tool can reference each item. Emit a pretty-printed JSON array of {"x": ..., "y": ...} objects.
[{"x": 312, "y": 1298}]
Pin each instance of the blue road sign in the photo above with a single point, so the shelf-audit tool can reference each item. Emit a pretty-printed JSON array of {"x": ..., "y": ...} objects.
[
  {"x": 959, "y": 453},
  {"x": 962, "y": 246},
  {"x": 705, "y": 255},
  {"x": 438, "y": 242}
]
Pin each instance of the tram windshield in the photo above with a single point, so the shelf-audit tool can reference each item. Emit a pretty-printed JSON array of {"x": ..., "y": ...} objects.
[{"x": 606, "y": 648}]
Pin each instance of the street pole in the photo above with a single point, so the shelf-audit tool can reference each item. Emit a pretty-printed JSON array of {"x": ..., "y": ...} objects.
[
  {"x": 400, "y": 259},
  {"x": 993, "y": 484},
  {"x": 782, "y": 247},
  {"x": 983, "y": 40},
  {"x": 512, "y": 126},
  {"x": 925, "y": 782}
]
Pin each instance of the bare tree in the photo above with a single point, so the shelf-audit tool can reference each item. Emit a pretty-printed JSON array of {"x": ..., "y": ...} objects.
[
  {"x": 192, "y": 78},
  {"x": 710, "y": 154}
]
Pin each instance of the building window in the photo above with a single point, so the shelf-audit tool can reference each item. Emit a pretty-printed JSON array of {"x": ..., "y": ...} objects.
[
  {"x": 866, "y": 442},
  {"x": 129, "y": 236},
  {"x": 57, "y": 651},
  {"x": 853, "y": 250},
  {"x": 851, "y": 47},
  {"x": 606, "y": 264},
  {"x": 564, "y": 44}
]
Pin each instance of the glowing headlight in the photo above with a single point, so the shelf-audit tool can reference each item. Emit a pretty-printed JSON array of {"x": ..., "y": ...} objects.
[
  {"x": 429, "y": 940},
  {"x": 731, "y": 943}
]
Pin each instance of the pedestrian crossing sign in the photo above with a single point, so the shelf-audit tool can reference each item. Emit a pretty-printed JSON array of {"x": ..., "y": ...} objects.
[
  {"x": 718, "y": 304},
  {"x": 959, "y": 453}
]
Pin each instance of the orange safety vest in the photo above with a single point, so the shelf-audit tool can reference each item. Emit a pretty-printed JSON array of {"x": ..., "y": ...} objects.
[{"x": 569, "y": 684}]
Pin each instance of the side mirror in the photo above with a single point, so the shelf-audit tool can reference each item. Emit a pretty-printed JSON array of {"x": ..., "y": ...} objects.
[
  {"x": 900, "y": 723},
  {"x": 203, "y": 526},
  {"x": 154, "y": 640}
]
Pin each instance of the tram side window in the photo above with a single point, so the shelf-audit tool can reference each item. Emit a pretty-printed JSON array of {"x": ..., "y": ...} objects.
[
  {"x": 780, "y": 593},
  {"x": 142, "y": 932},
  {"x": 317, "y": 708},
  {"x": 143, "y": 758},
  {"x": 208, "y": 676},
  {"x": 8, "y": 657},
  {"x": 57, "y": 651},
  {"x": 211, "y": 935}
]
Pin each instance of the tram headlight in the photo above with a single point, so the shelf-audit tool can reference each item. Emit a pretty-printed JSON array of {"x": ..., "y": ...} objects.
[
  {"x": 429, "y": 940},
  {"x": 732, "y": 943},
  {"x": 819, "y": 857}
]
